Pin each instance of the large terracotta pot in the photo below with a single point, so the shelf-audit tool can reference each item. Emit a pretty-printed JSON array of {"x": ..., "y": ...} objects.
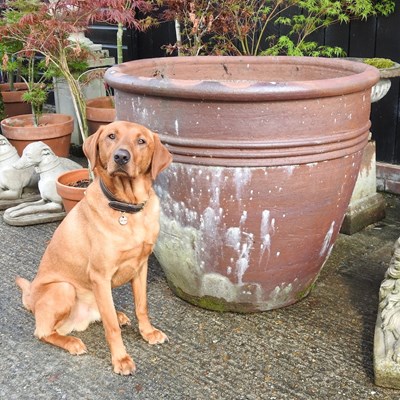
[
  {"x": 266, "y": 154},
  {"x": 54, "y": 130},
  {"x": 99, "y": 111},
  {"x": 12, "y": 100},
  {"x": 66, "y": 187}
]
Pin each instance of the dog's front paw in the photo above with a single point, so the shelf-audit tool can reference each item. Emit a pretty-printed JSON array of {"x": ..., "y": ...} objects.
[
  {"x": 124, "y": 366},
  {"x": 154, "y": 336}
]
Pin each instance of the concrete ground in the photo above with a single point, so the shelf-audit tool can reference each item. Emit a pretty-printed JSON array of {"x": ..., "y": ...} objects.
[{"x": 319, "y": 348}]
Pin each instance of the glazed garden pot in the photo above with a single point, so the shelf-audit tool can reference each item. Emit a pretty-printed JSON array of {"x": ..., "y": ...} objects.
[
  {"x": 266, "y": 154},
  {"x": 12, "y": 99},
  {"x": 54, "y": 129},
  {"x": 99, "y": 111}
]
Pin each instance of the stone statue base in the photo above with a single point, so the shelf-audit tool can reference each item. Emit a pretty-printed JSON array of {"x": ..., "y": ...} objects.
[
  {"x": 33, "y": 219},
  {"x": 387, "y": 329},
  {"x": 28, "y": 194},
  {"x": 387, "y": 371}
]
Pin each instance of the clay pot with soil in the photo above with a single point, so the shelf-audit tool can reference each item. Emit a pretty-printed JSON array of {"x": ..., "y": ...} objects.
[{"x": 71, "y": 186}]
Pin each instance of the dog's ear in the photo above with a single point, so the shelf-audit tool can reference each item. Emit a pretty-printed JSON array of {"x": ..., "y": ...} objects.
[
  {"x": 161, "y": 157},
  {"x": 90, "y": 147}
]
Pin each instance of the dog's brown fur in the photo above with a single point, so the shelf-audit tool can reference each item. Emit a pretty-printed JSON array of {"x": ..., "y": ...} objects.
[{"x": 91, "y": 252}]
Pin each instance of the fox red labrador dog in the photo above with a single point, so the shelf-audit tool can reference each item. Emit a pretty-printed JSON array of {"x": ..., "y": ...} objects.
[{"x": 104, "y": 242}]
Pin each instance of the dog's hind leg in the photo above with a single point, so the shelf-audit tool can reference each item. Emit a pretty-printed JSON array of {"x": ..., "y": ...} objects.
[
  {"x": 123, "y": 319},
  {"x": 9, "y": 194},
  {"x": 52, "y": 310},
  {"x": 72, "y": 344}
]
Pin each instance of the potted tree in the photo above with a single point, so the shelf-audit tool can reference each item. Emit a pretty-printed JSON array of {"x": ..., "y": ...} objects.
[
  {"x": 53, "y": 129},
  {"x": 11, "y": 91},
  {"x": 241, "y": 27},
  {"x": 245, "y": 226},
  {"x": 46, "y": 29},
  {"x": 101, "y": 110}
]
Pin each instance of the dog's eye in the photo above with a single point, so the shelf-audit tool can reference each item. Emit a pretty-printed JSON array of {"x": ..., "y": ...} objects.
[
  {"x": 141, "y": 141},
  {"x": 111, "y": 136}
]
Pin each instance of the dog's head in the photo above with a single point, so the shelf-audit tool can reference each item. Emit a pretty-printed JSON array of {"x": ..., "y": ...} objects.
[
  {"x": 126, "y": 149},
  {"x": 34, "y": 154}
]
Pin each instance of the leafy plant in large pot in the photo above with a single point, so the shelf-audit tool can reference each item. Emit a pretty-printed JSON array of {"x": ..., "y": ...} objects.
[
  {"x": 11, "y": 91},
  {"x": 266, "y": 154},
  {"x": 45, "y": 29},
  {"x": 101, "y": 110},
  {"x": 52, "y": 129}
]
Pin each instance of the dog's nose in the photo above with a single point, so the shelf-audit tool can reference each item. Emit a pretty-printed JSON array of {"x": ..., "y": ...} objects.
[{"x": 122, "y": 156}]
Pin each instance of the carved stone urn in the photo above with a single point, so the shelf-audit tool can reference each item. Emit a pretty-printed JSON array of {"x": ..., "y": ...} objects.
[{"x": 266, "y": 153}]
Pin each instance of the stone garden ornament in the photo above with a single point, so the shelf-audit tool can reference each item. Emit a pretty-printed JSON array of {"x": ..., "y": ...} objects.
[
  {"x": 16, "y": 185},
  {"x": 387, "y": 329},
  {"x": 48, "y": 167}
]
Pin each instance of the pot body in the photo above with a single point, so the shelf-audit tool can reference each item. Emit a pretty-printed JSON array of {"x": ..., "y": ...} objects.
[
  {"x": 71, "y": 195},
  {"x": 12, "y": 100},
  {"x": 54, "y": 130},
  {"x": 266, "y": 154},
  {"x": 99, "y": 111}
]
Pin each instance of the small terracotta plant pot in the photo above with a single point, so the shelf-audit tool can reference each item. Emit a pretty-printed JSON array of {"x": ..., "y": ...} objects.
[
  {"x": 54, "y": 130},
  {"x": 13, "y": 103},
  {"x": 99, "y": 111},
  {"x": 69, "y": 187}
]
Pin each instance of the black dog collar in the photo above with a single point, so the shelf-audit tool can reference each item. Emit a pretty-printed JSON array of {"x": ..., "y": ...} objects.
[{"x": 119, "y": 205}]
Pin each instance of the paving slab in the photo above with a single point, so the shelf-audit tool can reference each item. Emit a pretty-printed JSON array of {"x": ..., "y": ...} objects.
[{"x": 319, "y": 348}]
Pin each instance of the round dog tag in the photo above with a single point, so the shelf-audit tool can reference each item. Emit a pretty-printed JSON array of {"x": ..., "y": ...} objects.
[{"x": 123, "y": 220}]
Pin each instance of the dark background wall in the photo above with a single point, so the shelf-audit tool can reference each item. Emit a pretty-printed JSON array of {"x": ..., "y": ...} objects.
[{"x": 376, "y": 37}]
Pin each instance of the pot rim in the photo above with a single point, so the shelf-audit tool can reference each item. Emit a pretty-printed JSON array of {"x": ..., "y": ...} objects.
[
  {"x": 18, "y": 121},
  {"x": 93, "y": 103},
  {"x": 129, "y": 77},
  {"x": 20, "y": 86},
  {"x": 65, "y": 176}
]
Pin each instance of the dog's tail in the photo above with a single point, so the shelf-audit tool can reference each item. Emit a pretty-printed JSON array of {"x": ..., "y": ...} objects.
[{"x": 25, "y": 286}]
